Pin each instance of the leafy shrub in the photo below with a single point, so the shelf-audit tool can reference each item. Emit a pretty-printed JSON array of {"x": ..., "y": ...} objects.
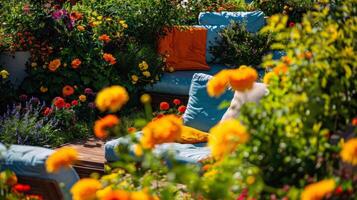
[
  {"x": 237, "y": 46},
  {"x": 6, "y": 89}
]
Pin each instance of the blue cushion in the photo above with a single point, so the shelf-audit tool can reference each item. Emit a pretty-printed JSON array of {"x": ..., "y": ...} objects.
[
  {"x": 202, "y": 110},
  {"x": 30, "y": 161},
  {"x": 183, "y": 153},
  {"x": 179, "y": 82},
  {"x": 254, "y": 20}
]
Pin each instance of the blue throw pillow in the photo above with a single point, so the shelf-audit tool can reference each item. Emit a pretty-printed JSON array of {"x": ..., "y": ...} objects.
[
  {"x": 202, "y": 110},
  {"x": 254, "y": 20}
]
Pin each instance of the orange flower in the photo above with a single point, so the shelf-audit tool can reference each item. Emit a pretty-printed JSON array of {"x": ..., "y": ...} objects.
[
  {"x": 109, "y": 58},
  {"x": 165, "y": 129},
  {"x": 243, "y": 78},
  {"x": 354, "y": 121},
  {"x": 101, "y": 125},
  {"x": 54, "y": 65},
  {"x": 76, "y": 15},
  {"x": 85, "y": 189},
  {"x": 75, "y": 63},
  {"x": 105, "y": 38},
  {"x": 349, "y": 152},
  {"x": 319, "y": 190},
  {"x": 116, "y": 195},
  {"x": 218, "y": 84},
  {"x": 81, "y": 28},
  {"x": 67, "y": 90},
  {"x": 281, "y": 69},
  {"x": 63, "y": 157}
]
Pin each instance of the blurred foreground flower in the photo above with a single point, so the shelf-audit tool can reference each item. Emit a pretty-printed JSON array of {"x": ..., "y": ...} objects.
[
  {"x": 63, "y": 157},
  {"x": 349, "y": 152},
  {"x": 111, "y": 98},
  {"x": 225, "y": 137},
  {"x": 319, "y": 190},
  {"x": 101, "y": 125},
  {"x": 85, "y": 189}
]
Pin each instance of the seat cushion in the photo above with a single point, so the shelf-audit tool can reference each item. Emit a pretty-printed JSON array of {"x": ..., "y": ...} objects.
[
  {"x": 254, "y": 20},
  {"x": 183, "y": 153},
  {"x": 202, "y": 111},
  {"x": 30, "y": 161},
  {"x": 179, "y": 82}
]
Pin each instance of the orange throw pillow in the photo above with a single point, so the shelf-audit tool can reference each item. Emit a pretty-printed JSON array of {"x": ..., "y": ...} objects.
[
  {"x": 185, "y": 48},
  {"x": 192, "y": 136}
]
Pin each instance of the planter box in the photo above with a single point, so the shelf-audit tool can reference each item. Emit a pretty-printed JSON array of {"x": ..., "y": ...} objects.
[{"x": 15, "y": 64}]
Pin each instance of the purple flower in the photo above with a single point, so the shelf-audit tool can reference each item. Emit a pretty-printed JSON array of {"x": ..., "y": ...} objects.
[
  {"x": 35, "y": 100},
  {"x": 88, "y": 91},
  {"x": 58, "y": 14}
]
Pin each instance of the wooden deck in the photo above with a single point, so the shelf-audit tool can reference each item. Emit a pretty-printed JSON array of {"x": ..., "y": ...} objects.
[{"x": 91, "y": 156}]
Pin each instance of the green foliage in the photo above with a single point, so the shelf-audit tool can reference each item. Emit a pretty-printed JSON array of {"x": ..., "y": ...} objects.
[{"x": 237, "y": 46}]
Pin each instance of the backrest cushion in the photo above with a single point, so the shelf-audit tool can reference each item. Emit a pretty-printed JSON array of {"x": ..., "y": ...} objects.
[
  {"x": 185, "y": 48},
  {"x": 254, "y": 20},
  {"x": 202, "y": 111}
]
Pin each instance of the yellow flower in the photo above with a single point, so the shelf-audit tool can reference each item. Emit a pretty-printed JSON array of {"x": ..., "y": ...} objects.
[
  {"x": 63, "y": 157},
  {"x": 143, "y": 66},
  {"x": 142, "y": 195},
  {"x": 147, "y": 74},
  {"x": 138, "y": 151},
  {"x": 123, "y": 23},
  {"x": 99, "y": 17},
  {"x": 33, "y": 64},
  {"x": 43, "y": 89},
  {"x": 349, "y": 152},
  {"x": 85, "y": 189},
  {"x": 82, "y": 98},
  {"x": 268, "y": 77},
  {"x": 134, "y": 78},
  {"x": 4, "y": 74},
  {"x": 103, "y": 192},
  {"x": 163, "y": 130},
  {"x": 218, "y": 84},
  {"x": 145, "y": 98},
  {"x": 210, "y": 173},
  {"x": 319, "y": 190},
  {"x": 111, "y": 98},
  {"x": 243, "y": 78},
  {"x": 225, "y": 137},
  {"x": 171, "y": 69},
  {"x": 250, "y": 180}
]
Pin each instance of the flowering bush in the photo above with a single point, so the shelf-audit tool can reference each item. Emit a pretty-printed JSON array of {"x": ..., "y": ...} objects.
[{"x": 5, "y": 88}]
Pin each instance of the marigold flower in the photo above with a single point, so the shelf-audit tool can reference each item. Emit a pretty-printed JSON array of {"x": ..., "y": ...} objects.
[
  {"x": 76, "y": 16},
  {"x": 54, "y": 65},
  {"x": 76, "y": 63},
  {"x": 67, "y": 90},
  {"x": 243, "y": 78},
  {"x": 59, "y": 102},
  {"x": 109, "y": 58},
  {"x": 134, "y": 78},
  {"x": 143, "y": 66},
  {"x": 287, "y": 60},
  {"x": 164, "y": 106},
  {"x": 177, "y": 102},
  {"x": 218, "y": 84},
  {"x": 111, "y": 98},
  {"x": 147, "y": 74},
  {"x": 319, "y": 190},
  {"x": 138, "y": 151},
  {"x": 85, "y": 189},
  {"x": 81, "y": 28},
  {"x": 43, "y": 89},
  {"x": 163, "y": 130},
  {"x": 349, "y": 152},
  {"x": 101, "y": 126},
  {"x": 115, "y": 195},
  {"x": 281, "y": 69},
  {"x": 82, "y": 98},
  {"x": 268, "y": 77},
  {"x": 225, "y": 137},
  {"x": 182, "y": 109},
  {"x": 145, "y": 98},
  {"x": 105, "y": 38},
  {"x": 63, "y": 157},
  {"x": 4, "y": 74}
]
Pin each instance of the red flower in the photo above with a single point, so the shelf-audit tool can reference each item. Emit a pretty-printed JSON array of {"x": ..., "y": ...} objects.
[
  {"x": 74, "y": 103},
  {"x": 182, "y": 109},
  {"x": 291, "y": 24},
  {"x": 177, "y": 102},
  {"x": 339, "y": 190},
  {"x": 21, "y": 188},
  {"x": 34, "y": 197},
  {"x": 164, "y": 106},
  {"x": 354, "y": 121},
  {"x": 47, "y": 111},
  {"x": 131, "y": 129},
  {"x": 67, "y": 105},
  {"x": 59, "y": 102}
]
